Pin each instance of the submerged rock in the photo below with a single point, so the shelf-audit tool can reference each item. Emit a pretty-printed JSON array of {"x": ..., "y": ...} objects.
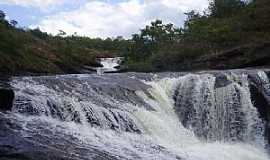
[{"x": 221, "y": 80}]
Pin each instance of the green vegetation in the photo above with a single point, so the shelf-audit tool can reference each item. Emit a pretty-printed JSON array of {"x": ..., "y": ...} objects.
[
  {"x": 32, "y": 51},
  {"x": 229, "y": 34},
  {"x": 225, "y": 25}
]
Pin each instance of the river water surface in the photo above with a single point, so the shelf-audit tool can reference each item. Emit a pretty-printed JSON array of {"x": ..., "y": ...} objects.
[{"x": 165, "y": 116}]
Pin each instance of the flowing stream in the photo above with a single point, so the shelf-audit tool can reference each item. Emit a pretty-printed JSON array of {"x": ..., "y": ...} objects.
[
  {"x": 167, "y": 116},
  {"x": 109, "y": 65}
]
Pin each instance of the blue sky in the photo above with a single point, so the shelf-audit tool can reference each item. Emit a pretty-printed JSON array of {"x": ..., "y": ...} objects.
[{"x": 97, "y": 18}]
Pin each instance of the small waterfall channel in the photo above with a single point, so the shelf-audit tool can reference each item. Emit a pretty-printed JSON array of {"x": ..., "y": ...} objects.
[{"x": 109, "y": 65}]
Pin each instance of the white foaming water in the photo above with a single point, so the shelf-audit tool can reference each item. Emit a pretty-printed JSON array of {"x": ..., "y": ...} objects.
[
  {"x": 263, "y": 77},
  {"x": 109, "y": 64},
  {"x": 163, "y": 123},
  {"x": 164, "y": 126},
  {"x": 222, "y": 123},
  {"x": 118, "y": 144}
]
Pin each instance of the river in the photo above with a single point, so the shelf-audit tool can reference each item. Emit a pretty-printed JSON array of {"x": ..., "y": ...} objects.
[{"x": 210, "y": 115}]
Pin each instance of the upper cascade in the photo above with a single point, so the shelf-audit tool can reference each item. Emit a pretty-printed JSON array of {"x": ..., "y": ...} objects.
[{"x": 109, "y": 64}]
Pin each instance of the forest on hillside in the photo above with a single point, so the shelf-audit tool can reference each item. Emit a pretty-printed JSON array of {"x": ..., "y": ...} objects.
[
  {"x": 31, "y": 51},
  {"x": 228, "y": 34}
]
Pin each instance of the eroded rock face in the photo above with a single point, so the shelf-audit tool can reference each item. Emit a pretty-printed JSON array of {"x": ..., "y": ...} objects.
[
  {"x": 6, "y": 99},
  {"x": 250, "y": 55}
]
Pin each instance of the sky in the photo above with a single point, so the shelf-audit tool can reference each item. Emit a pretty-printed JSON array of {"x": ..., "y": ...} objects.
[{"x": 97, "y": 18}]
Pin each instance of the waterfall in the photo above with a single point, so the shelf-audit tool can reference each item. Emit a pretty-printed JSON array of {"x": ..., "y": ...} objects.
[
  {"x": 109, "y": 65},
  {"x": 213, "y": 112},
  {"x": 172, "y": 116},
  {"x": 216, "y": 122}
]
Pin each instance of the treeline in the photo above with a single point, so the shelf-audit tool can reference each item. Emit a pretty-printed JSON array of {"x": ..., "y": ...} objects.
[
  {"x": 201, "y": 43},
  {"x": 226, "y": 24},
  {"x": 24, "y": 51}
]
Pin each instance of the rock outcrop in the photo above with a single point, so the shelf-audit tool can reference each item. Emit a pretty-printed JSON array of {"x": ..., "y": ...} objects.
[
  {"x": 251, "y": 55},
  {"x": 7, "y": 95}
]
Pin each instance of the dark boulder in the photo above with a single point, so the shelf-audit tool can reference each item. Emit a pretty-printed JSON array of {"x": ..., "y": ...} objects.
[
  {"x": 6, "y": 99},
  {"x": 222, "y": 80}
]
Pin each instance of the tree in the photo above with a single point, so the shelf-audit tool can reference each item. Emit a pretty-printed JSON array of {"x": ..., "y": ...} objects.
[
  {"x": 224, "y": 8},
  {"x": 192, "y": 17},
  {"x": 153, "y": 37},
  {"x": 61, "y": 33},
  {"x": 13, "y": 23},
  {"x": 38, "y": 33},
  {"x": 2, "y": 15}
]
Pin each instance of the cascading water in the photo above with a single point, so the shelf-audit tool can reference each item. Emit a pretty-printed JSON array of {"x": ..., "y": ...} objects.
[
  {"x": 204, "y": 116},
  {"x": 226, "y": 125},
  {"x": 109, "y": 65},
  {"x": 223, "y": 113}
]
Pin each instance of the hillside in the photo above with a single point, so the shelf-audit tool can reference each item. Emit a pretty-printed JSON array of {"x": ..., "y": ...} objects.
[
  {"x": 34, "y": 52},
  {"x": 229, "y": 34}
]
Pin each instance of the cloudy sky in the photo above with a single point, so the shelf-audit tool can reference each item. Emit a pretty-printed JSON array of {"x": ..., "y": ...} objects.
[{"x": 97, "y": 18}]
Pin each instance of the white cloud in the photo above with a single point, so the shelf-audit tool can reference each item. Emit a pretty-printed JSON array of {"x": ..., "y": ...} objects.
[
  {"x": 33, "y": 3},
  {"x": 105, "y": 19}
]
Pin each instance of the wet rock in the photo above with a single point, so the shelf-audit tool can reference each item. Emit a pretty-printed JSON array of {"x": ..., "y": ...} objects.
[
  {"x": 39, "y": 144},
  {"x": 221, "y": 80},
  {"x": 6, "y": 99},
  {"x": 38, "y": 139},
  {"x": 25, "y": 105}
]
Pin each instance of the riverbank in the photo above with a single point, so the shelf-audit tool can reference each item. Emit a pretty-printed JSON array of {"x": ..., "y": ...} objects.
[
  {"x": 33, "y": 52},
  {"x": 237, "y": 38},
  {"x": 254, "y": 55}
]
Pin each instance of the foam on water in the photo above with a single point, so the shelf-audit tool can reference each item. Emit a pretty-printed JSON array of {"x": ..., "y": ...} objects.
[
  {"x": 109, "y": 64},
  {"x": 119, "y": 144},
  {"x": 163, "y": 124},
  {"x": 187, "y": 117}
]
